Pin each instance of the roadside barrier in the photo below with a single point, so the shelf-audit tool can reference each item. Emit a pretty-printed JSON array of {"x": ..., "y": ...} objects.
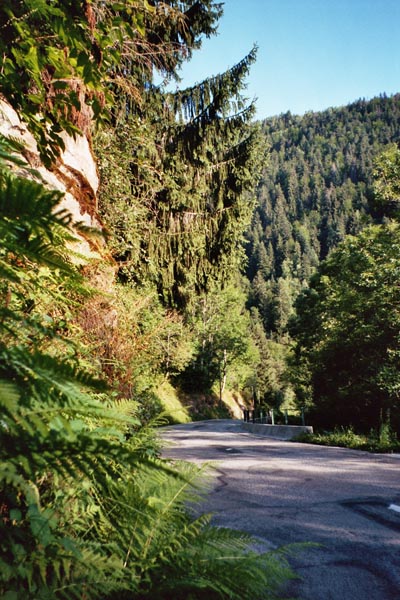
[{"x": 263, "y": 423}]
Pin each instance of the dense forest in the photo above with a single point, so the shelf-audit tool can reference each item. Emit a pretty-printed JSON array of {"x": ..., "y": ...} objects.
[
  {"x": 316, "y": 188},
  {"x": 323, "y": 181}
]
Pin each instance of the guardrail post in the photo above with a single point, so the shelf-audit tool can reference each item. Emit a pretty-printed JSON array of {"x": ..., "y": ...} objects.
[{"x": 271, "y": 412}]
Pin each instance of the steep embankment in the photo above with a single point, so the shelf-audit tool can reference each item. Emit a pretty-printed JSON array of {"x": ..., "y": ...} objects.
[{"x": 75, "y": 175}]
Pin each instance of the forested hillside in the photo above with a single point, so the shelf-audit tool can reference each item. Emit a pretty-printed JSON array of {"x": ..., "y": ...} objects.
[{"x": 317, "y": 187}]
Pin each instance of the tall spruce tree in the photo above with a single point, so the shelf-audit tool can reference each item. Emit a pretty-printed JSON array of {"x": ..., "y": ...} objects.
[{"x": 190, "y": 161}]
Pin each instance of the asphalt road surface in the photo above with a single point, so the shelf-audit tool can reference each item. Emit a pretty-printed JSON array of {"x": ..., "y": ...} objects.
[{"x": 285, "y": 492}]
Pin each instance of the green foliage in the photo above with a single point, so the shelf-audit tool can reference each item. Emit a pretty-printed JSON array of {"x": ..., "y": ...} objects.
[
  {"x": 326, "y": 178},
  {"x": 175, "y": 194},
  {"x": 223, "y": 350},
  {"x": 45, "y": 50},
  {"x": 173, "y": 408},
  {"x": 175, "y": 199},
  {"x": 176, "y": 168},
  {"x": 177, "y": 554},
  {"x": 63, "y": 62},
  {"x": 270, "y": 387},
  {"x": 87, "y": 509},
  {"x": 345, "y": 437},
  {"x": 347, "y": 330},
  {"x": 387, "y": 181},
  {"x": 43, "y": 402},
  {"x": 316, "y": 188},
  {"x": 138, "y": 343}
]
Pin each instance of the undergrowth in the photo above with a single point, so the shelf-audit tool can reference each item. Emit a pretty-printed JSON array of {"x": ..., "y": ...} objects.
[{"x": 383, "y": 440}]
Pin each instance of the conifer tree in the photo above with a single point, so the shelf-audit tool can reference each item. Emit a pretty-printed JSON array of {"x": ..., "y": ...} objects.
[
  {"x": 317, "y": 186},
  {"x": 190, "y": 174}
]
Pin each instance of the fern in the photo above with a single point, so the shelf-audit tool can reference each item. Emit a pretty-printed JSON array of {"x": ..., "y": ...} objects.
[
  {"x": 172, "y": 554},
  {"x": 45, "y": 432}
]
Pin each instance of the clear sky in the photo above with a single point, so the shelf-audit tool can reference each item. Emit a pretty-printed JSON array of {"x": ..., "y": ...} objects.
[{"x": 313, "y": 54}]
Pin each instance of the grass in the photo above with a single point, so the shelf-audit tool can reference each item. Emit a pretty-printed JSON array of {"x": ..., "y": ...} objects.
[
  {"x": 172, "y": 405},
  {"x": 384, "y": 441}
]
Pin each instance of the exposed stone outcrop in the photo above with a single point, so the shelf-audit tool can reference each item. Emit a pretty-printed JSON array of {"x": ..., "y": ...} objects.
[{"x": 74, "y": 174}]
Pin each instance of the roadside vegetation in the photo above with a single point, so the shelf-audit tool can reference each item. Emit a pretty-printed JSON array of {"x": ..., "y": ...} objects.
[
  {"x": 89, "y": 346},
  {"x": 345, "y": 437},
  {"x": 323, "y": 265}
]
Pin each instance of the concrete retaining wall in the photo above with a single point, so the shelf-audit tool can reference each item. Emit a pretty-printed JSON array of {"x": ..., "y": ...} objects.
[{"x": 280, "y": 432}]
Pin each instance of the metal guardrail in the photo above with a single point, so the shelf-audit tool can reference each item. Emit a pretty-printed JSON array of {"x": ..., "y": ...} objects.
[
  {"x": 267, "y": 417},
  {"x": 258, "y": 416}
]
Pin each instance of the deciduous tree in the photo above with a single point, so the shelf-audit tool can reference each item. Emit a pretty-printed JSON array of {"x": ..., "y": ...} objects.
[{"x": 347, "y": 331}]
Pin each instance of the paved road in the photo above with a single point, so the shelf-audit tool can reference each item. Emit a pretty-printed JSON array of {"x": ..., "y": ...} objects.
[{"x": 284, "y": 492}]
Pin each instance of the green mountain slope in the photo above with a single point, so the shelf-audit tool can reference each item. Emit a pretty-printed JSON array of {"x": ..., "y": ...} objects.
[{"x": 316, "y": 188}]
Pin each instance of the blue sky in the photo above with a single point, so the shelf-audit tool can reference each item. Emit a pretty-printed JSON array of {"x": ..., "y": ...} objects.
[{"x": 313, "y": 54}]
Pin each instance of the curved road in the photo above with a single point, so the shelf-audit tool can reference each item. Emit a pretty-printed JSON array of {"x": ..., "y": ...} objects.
[{"x": 285, "y": 492}]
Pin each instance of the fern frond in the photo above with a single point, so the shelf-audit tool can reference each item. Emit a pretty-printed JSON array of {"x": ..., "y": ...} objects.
[
  {"x": 8, "y": 272},
  {"x": 37, "y": 372},
  {"x": 10, "y": 151}
]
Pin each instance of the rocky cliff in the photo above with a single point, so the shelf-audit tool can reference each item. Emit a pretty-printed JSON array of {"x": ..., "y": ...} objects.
[{"x": 74, "y": 174}]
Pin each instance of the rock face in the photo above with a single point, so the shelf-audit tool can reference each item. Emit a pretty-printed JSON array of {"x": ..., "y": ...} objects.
[{"x": 75, "y": 174}]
